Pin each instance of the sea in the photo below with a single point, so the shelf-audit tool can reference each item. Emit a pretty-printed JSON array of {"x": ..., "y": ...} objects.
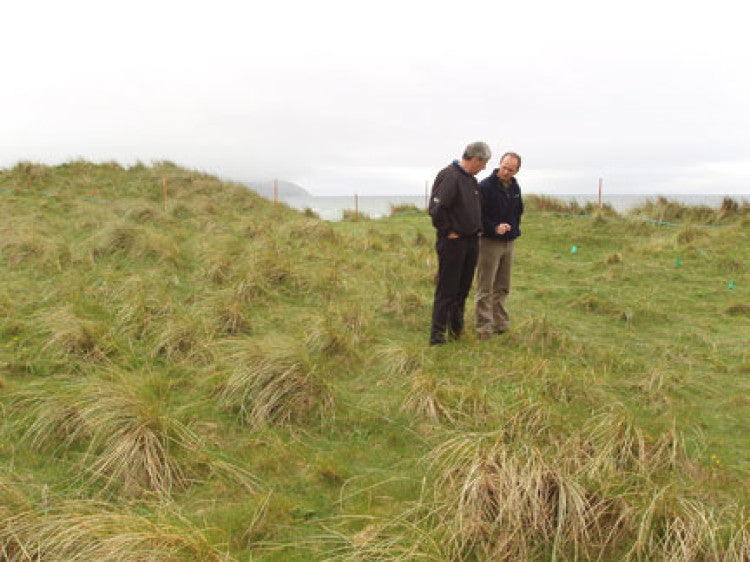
[{"x": 332, "y": 207}]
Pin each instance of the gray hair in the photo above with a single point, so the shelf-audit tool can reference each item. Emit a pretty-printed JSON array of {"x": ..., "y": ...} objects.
[{"x": 479, "y": 150}]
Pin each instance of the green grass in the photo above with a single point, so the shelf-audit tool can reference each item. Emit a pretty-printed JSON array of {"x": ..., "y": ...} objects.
[{"x": 224, "y": 379}]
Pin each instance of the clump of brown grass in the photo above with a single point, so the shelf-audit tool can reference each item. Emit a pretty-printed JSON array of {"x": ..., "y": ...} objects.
[
  {"x": 425, "y": 400},
  {"x": 687, "y": 529},
  {"x": 52, "y": 417},
  {"x": 526, "y": 419},
  {"x": 611, "y": 443},
  {"x": 31, "y": 171},
  {"x": 86, "y": 530},
  {"x": 143, "y": 304},
  {"x": 350, "y": 215},
  {"x": 142, "y": 213},
  {"x": 739, "y": 309},
  {"x": 220, "y": 269},
  {"x": 70, "y": 335},
  {"x": 316, "y": 232},
  {"x": 276, "y": 384},
  {"x": 131, "y": 437},
  {"x": 403, "y": 303},
  {"x": 539, "y": 331},
  {"x": 136, "y": 242},
  {"x": 221, "y": 257},
  {"x": 339, "y": 332},
  {"x": 501, "y": 502},
  {"x": 398, "y": 361},
  {"x": 231, "y": 314},
  {"x": 689, "y": 233},
  {"x": 405, "y": 209},
  {"x": 21, "y": 242},
  {"x": 12, "y": 500},
  {"x": 405, "y": 537},
  {"x": 184, "y": 336},
  {"x": 250, "y": 288},
  {"x": 662, "y": 209},
  {"x": 274, "y": 267}
]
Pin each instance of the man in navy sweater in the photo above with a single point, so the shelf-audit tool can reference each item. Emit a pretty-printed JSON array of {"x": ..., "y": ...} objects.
[
  {"x": 456, "y": 216},
  {"x": 502, "y": 208}
]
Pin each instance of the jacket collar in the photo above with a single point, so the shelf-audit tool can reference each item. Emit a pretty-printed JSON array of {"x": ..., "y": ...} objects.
[
  {"x": 458, "y": 165},
  {"x": 496, "y": 180}
]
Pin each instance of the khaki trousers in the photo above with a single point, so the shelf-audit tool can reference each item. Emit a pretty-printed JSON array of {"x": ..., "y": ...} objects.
[{"x": 493, "y": 285}]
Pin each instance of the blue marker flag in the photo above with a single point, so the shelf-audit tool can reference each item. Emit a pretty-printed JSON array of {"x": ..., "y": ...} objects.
[{"x": 573, "y": 250}]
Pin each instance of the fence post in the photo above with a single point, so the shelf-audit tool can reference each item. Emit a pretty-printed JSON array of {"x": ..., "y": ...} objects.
[
  {"x": 356, "y": 208},
  {"x": 600, "y": 194},
  {"x": 164, "y": 184},
  {"x": 426, "y": 195},
  {"x": 275, "y": 193}
]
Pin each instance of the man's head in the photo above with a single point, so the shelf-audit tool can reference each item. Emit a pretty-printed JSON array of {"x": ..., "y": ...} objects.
[
  {"x": 510, "y": 163},
  {"x": 475, "y": 157}
]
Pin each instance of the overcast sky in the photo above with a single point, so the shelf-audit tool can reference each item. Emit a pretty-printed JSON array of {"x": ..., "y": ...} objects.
[{"x": 376, "y": 97}]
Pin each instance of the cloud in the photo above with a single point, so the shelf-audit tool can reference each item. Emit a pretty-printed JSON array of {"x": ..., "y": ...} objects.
[{"x": 335, "y": 95}]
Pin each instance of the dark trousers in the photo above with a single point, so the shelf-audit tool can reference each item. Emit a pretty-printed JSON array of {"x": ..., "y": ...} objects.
[{"x": 457, "y": 259}]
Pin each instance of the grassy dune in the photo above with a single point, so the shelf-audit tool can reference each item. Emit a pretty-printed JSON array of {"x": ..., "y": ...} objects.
[{"x": 226, "y": 380}]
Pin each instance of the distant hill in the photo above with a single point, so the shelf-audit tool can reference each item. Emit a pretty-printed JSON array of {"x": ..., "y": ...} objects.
[{"x": 286, "y": 188}]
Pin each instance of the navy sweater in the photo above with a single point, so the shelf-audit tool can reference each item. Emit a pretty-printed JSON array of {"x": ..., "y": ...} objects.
[{"x": 500, "y": 204}]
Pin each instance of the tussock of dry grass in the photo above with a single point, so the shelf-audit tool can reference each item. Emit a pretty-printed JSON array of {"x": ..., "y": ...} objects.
[
  {"x": 142, "y": 213},
  {"x": 501, "y": 502},
  {"x": 424, "y": 400},
  {"x": 231, "y": 314},
  {"x": 143, "y": 304},
  {"x": 70, "y": 335},
  {"x": 22, "y": 243},
  {"x": 131, "y": 439},
  {"x": 739, "y": 309},
  {"x": 689, "y": 233},
  {"x": 86, "y": 531},
  {"x": 278, "y": 271},
  {"x": 12, "y": 501},
  {"x": 539, "y": 331},
  {"x": 688, "y": 530},
  {"x": 403, "y": 304},
  {"x": 398, "y": 361},
  {"x": 611, "y": 443},
  {"x": 339, "y": 332},
  {"x": 136, "y": 242},
  {"x": 185, "y": 336},
  {"x": 220, "y": 269},
  {"x": 276, "y": 384},
  {"x": 663, "y": 209}
]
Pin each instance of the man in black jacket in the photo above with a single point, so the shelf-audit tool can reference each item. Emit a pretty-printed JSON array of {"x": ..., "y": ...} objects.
[
  {"x": 502, "y": 208},
  {"x": 456, "y": 216}
]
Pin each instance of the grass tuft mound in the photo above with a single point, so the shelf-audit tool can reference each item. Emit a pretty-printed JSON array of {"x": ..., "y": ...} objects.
[
  {"x": 276, "y": 384},
  {"x": 215, "y": 377}
]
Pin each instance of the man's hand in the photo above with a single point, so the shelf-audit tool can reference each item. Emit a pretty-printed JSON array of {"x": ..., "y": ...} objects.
[
  {"x": 502, "y": 228},
  {"x": 452, "y": 235}
]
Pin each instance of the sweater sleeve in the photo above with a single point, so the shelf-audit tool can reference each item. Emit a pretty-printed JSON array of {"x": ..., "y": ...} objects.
[
  {"x": 488, "y": 227},
  {"x": 520, "y": 210},
  {"x": 444, "y": 192}
]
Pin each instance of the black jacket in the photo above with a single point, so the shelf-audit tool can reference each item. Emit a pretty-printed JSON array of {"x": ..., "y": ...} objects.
[
  {"x": 454, "y": 203},
  {"x": 500, "y": 204}
]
